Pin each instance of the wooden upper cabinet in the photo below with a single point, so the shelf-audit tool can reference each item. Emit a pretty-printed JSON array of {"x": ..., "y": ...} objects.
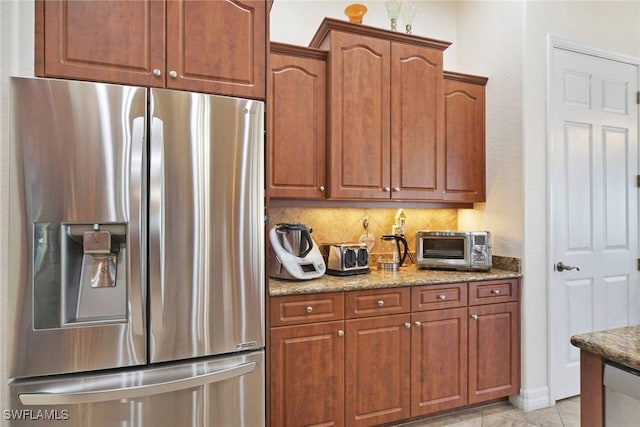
[
  {"x": 110, "y": 41},
  {"x": 464, "y": 97},
  {"x": 416, "y": 122},
  {"x": 206, "y": 46},
  {"x": 359, "y": 151},
  {"x": 385, "y": 113},
  {"x": 296, "y": 117},
  {"x": 217, "y": 47}
]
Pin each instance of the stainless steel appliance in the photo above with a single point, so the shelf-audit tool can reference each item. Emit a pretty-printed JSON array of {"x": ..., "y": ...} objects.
[
  {"x": 137, "y": 271},
  {"x": 621, "y": 395},
  {"x": 294, "y": 254},
  {"x": 392, "y": 256},
  {"x": 345, "y": 259},
  {"x": 454, "y": 250}
]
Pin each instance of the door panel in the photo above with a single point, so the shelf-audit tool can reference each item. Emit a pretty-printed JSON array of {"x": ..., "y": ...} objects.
[
  {"x": 359, "y": 152},
  {"x": 217, "y": 47},
  {"x": 593, "y": 204},
  {"x": 206, "y": 244}
]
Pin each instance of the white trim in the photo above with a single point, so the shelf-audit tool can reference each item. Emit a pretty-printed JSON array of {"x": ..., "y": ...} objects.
[
  {"x": 555, "y": 42},
  {"x": 530, "y": 400}
]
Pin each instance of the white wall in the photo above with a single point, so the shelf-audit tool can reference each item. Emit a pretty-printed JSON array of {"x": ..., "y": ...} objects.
[
  {"x": 16, "y": 58},
  {"x": 296, "y": 21}
]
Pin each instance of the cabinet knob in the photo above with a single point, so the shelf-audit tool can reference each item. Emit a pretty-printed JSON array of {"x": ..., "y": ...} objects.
[
  {"x": 495, "y": 291},
  {"x": 322, "y": 188},
  {"x": 386, "y": 189},
  {"x": 173, "y": 74},
  {"x": 474, "y": 316},
  {"x": 309, "y": 309},
  {"x": 442, "y": 297},
  {"x": 156, "y": 72},
  {"x": 418, "y": 324},
  {"x": 396, "y": 189},
  {"x": 407, "y": 325},
  {"x": 380, "y": 303},
  {"x": 340, "y": 333}
]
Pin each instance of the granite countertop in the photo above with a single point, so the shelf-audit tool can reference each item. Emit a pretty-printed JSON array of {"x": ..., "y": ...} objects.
[
  {"x": 621, "y": 345},
  {"x": 406, "y": 276}
]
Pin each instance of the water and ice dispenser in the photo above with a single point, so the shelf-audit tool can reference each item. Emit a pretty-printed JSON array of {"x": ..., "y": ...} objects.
[{"x": 80, "y": 274}]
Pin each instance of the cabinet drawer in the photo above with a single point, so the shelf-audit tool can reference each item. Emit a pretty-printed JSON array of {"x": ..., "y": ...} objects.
[
  {"x": 377, "y": 302},
  {"x": 494, "y": 291},
  {"x": 434, "y": 297},
  {"x": 296, "y": 309}
]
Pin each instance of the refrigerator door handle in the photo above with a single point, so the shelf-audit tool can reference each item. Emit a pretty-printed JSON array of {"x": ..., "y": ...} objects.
[{"x": 89, "y": 391}]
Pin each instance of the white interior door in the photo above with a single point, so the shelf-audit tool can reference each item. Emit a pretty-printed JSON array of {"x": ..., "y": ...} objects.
[{"x": 593, "y": 210}]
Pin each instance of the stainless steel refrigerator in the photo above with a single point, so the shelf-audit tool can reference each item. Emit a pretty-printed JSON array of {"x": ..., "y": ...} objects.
[{"x": 136, "y": 283}]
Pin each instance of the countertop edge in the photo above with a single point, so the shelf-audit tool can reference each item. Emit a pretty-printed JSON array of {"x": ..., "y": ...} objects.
[
  {"x": 620, "y": 345},
  {"x": 378, "y": 280}
]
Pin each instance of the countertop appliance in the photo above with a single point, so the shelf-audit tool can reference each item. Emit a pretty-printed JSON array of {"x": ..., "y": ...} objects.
[
  {"x": 454, "y": 250},
  {"x": 621, "y": 395},
  {"x": 137, "y": 271},
  {"x": 345, "y": 259},
  {"x": 294, "y": 254},
  {"x": 392, "y": 256}
]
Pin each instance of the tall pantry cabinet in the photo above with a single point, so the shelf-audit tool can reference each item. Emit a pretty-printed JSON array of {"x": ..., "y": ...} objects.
[{"x": 203, "y": 46}]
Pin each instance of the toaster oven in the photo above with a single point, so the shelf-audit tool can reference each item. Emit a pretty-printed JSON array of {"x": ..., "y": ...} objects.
[
  {"x": 454, "y": 250},
  {"x": 345, "y": 259}
]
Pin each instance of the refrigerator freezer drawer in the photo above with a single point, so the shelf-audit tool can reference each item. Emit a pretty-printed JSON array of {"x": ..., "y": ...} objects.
[{"x": 222, "y": 391}]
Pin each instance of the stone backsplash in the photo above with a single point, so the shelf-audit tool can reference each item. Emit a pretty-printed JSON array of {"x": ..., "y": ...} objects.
[{"x": 345, "y": 225}]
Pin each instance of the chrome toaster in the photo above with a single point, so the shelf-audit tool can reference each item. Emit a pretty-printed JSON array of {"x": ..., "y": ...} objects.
[{"x": 345, "y": 259}]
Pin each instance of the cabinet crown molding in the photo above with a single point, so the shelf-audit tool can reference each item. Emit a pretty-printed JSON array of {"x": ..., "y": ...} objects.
[{"x": 332, "y": 24}]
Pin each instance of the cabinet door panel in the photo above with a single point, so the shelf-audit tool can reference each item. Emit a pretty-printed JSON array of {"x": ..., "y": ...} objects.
[
  {"x": 217, "y": 46},
  {"x": 378, "y": 370},
  {"x": 298, "y": 127},
  {"x": 109, "y": 41},
  {"x": 465, "y": 141},
  {"x": 494, "y": 346},
  {"x": 307, "y": 375},
  {"x": 438, "y": 360},
  {"x": 359, "y": 115},
  {"x": 416, "y": 122}
]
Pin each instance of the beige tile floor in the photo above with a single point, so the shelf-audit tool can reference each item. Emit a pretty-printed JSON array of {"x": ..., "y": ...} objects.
[{"x": 566, "y": 413}]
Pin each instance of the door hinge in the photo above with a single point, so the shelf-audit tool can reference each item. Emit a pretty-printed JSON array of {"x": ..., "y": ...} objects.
[
  {"x": 638, "y": 97},
  {"x": 638, "y": 264},
  {"x": 638, "y": 181}
]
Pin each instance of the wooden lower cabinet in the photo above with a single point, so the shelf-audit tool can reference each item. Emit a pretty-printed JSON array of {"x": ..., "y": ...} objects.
[
  {"x": 438, "y": 360},
  {"x": 378, "y": 357},
  {"x": 307, "y": 375},
  {"x": 378, "y": 369},
  {"x": 494, "y": 351}
]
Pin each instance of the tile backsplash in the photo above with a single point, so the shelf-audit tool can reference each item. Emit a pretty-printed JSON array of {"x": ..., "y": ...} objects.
[{"x": 345, "y": 225}]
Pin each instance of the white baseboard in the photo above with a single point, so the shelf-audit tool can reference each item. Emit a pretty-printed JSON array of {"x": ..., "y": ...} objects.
[{"x": 532, "y": 399}]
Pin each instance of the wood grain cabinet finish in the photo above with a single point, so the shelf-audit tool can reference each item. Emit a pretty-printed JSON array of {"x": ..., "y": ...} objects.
[
  {"x": 464, "y": 147},
  {"x": 297, "y": 123},
  {"x": 214, "y": 47},
  {"x": 298, "y": 309},
  {"x": 378, "y": 370},
  {"x": 438, "y": 360},
  {"x": 494, "y": 351},
  {"x": 306, "y": 384},
  {"x": 399, "y": 353},
  {"x": 385, "y": 113}
]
